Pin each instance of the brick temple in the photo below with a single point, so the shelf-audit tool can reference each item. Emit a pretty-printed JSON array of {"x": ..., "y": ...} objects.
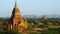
[{"x": 16, "y": 22}]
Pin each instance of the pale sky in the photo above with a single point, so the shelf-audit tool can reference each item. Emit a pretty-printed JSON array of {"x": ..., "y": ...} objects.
[{"x": 30, "y": 7}]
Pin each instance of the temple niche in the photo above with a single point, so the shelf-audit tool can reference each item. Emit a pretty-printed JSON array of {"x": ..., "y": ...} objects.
[{"x": 16, "y": 22}]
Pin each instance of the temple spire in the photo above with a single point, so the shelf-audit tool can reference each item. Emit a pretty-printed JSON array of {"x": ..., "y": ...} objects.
[{"x": 16, "y": 4}]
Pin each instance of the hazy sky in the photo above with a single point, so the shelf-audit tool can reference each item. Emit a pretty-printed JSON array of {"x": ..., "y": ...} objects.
[{"x": 30, "y": 7}]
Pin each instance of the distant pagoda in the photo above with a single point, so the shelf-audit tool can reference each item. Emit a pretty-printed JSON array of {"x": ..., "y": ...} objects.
[{"x": 44, "y": 17}]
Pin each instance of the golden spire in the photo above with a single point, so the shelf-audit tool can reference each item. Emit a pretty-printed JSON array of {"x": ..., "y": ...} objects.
[{"x": 16, "y": 4}]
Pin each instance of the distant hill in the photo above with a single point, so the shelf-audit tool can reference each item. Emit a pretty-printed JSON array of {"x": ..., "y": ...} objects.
[
  {"x": 48, "y": 16},
  {"x": 53, "y": 16},
  {"x": 30, "y": 16}
]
